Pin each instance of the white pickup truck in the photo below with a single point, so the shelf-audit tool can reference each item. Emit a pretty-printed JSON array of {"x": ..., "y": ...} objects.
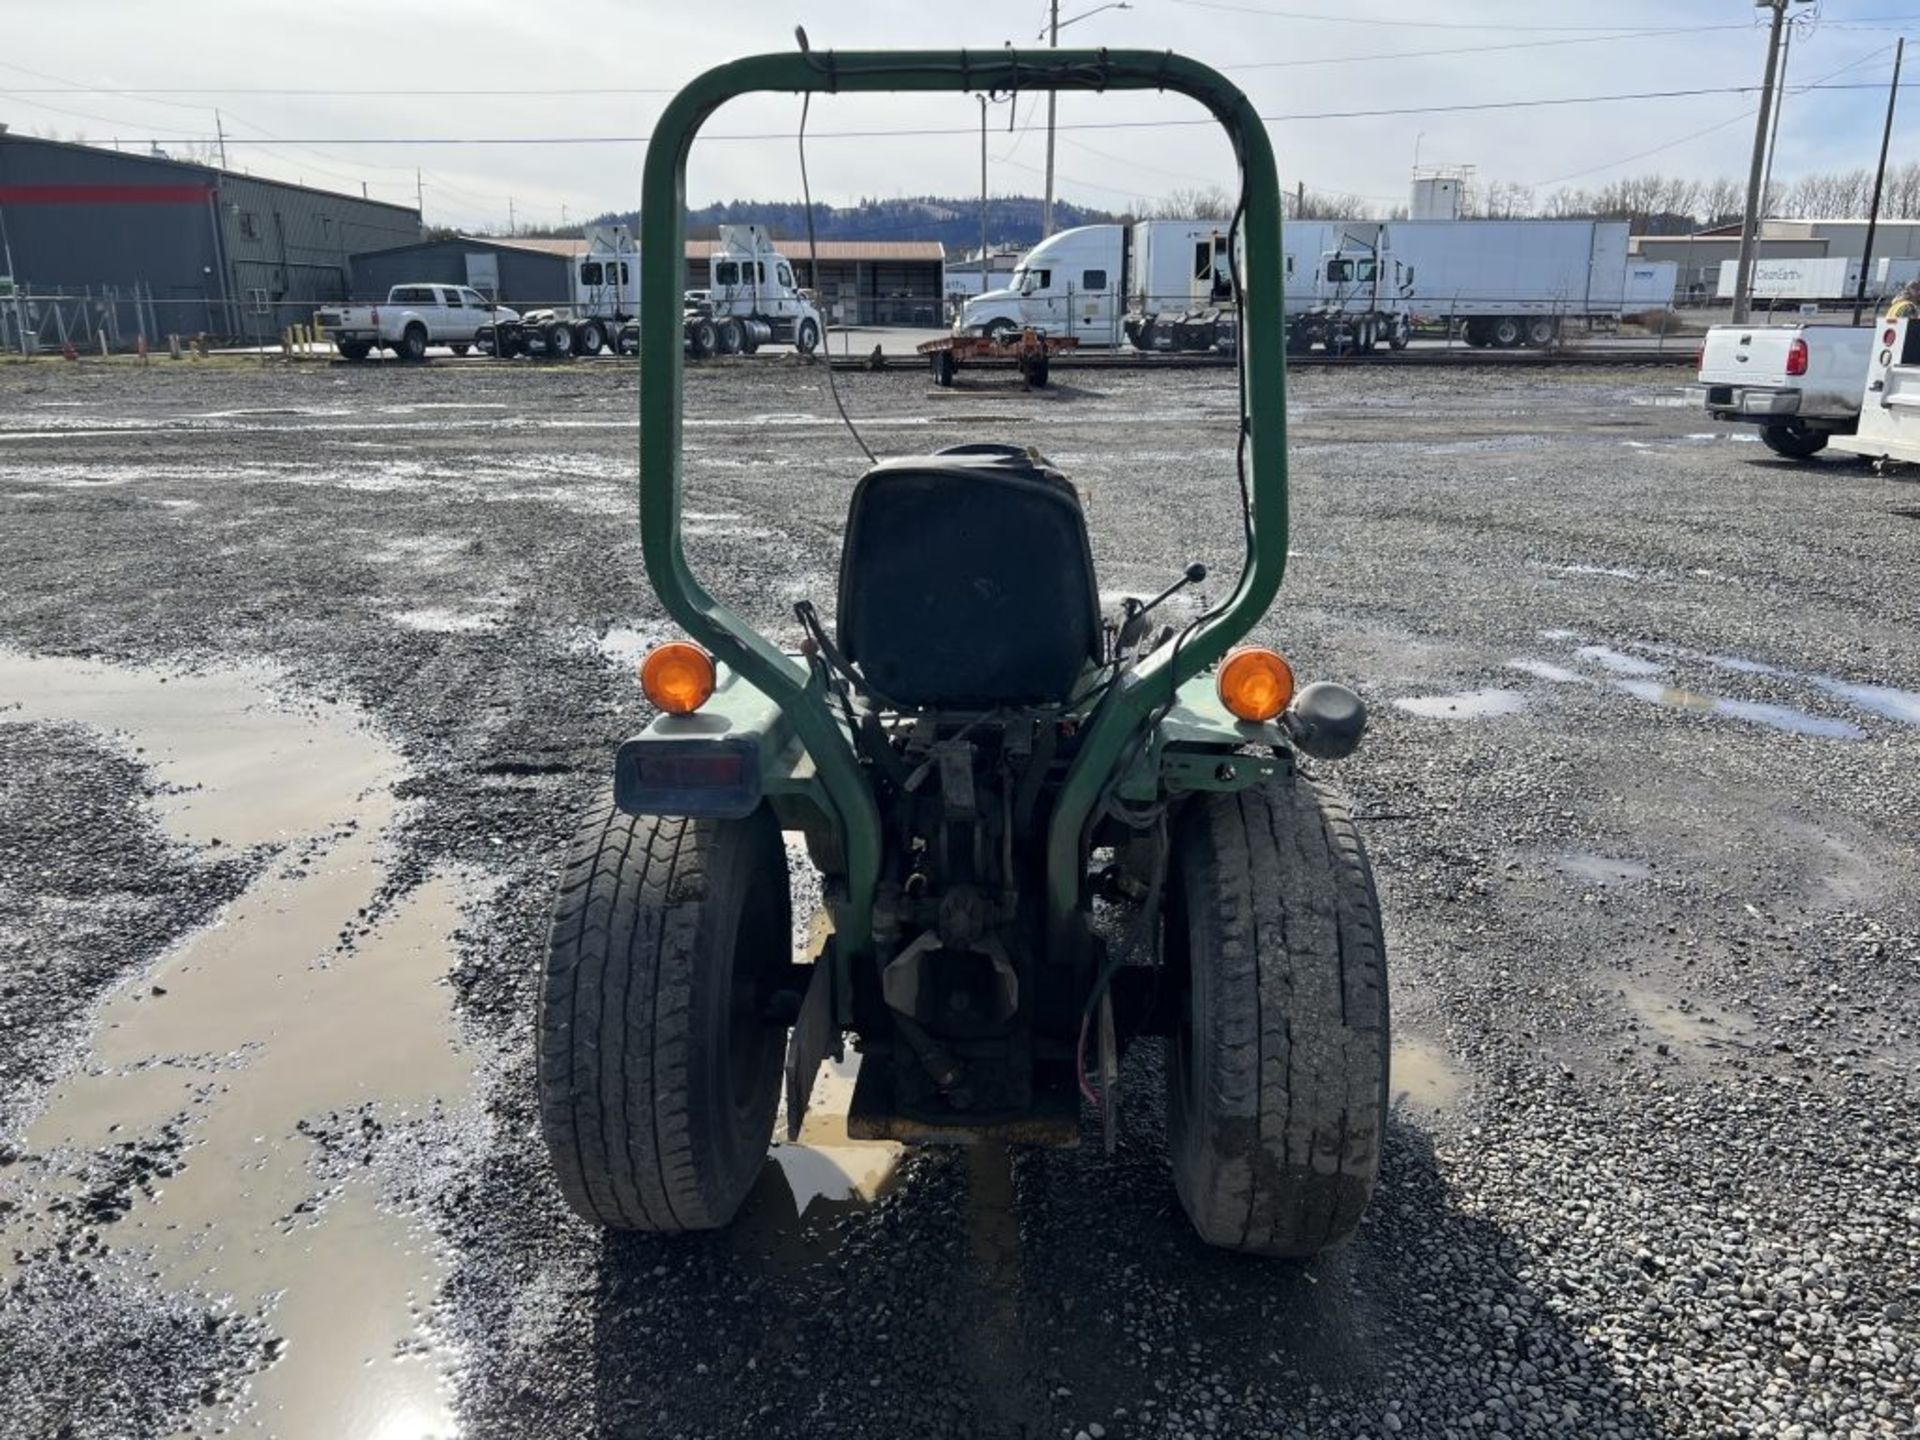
[
  {"x": 1799, "y": 383},
  {"x": 411, "y": 318}
]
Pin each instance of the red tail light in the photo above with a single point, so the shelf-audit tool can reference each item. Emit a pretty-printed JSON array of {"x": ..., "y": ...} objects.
[{"x": 1797, "y": 356}]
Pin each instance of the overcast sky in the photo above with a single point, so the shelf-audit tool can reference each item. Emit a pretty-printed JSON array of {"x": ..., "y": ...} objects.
[{"x": 283, "y": 72}]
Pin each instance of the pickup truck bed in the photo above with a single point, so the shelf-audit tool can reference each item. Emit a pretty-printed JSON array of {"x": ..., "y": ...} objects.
[{"x": 1799, "y": 383}]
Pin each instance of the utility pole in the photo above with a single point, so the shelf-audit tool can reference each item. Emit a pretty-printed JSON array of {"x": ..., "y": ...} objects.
[
  {"x": 1749, "y": 222},
  {"x": 510, "y": 221},
  {"x": 1879, "y": 179},
  {"x": 983, "y": 194},
  {"x": 1053, "y": 97},
  {"x": 419, "y": 195},
  {"x": 1779, "y": 109},
  {"x": 220, "y": 130}
]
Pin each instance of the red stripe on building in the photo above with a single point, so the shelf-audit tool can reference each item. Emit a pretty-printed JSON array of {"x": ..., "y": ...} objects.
[{"x": 104, "y": 194}]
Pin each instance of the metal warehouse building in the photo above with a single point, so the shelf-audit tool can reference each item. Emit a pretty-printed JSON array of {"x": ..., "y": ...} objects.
[
  {"x": 516, "y": 272},
  {"x": 104, "y": 241}
]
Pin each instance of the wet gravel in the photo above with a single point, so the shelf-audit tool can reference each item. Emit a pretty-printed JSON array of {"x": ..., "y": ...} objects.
[{"x": 1653, "y": 912}]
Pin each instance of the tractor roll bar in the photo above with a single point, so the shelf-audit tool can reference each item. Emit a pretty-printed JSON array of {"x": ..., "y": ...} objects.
[{"x": 732, "y": 640}]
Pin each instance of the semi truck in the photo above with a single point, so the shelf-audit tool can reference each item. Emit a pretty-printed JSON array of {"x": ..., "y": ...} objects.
[
  {"x": 1167, "y": 285},
  {"x": 753, "y": 301}
]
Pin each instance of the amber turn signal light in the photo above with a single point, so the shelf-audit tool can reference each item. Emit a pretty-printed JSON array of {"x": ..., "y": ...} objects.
[
  {"x": 677, "y": 677},
  {"x": 1255, "y": 684}
]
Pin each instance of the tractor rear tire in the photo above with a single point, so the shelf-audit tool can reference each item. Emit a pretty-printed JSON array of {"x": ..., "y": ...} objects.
[
  {"x": 729, "y": 336},
  {"x": 659, "y": 1066},
  {"x": 589, "y": 338},
  {"x": 1277, "y": 1076},
  {"x": 558, "y": 338},
  {"x": 701, "y": 339}
]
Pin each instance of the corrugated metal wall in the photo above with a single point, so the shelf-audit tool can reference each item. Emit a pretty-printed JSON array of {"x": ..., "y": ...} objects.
[
  {"x": 526, "y": 276},
  {"x": 162, "y": 246},
  {"x": 289, "y": 247}
]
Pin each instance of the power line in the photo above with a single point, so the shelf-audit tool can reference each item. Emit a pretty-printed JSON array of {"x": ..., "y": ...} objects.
[
  {"x": 1397, "y": 24},
  {"x": 918, "y": 132},
  {"x": 1479, "y": 49}
]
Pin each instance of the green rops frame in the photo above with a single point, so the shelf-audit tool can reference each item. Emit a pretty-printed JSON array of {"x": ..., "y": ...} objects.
[{"x": 779, "y": 678}]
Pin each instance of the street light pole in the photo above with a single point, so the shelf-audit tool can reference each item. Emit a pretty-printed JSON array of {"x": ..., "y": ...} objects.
[
  {"x": 1053, "y": 97},
  {"x": 983, "y": 194},
  {"x": 1749, "y": 222},
  {"x": 1052, "y": 36}
]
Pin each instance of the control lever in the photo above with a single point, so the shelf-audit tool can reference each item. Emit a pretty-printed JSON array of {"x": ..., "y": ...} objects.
[{"x": 1134, "y": 625}]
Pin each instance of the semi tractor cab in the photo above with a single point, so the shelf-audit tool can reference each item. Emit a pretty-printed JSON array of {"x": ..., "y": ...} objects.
[
  {"x": 752, "y": 300},
  {"x": 1168, "y": 285}
]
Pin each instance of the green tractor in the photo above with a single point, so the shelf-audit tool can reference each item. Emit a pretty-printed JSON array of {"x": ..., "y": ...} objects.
[{"x": 1040, "y": 835}]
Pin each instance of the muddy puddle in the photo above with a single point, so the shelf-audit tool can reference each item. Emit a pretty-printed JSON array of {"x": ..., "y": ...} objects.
[
  {"x": 1600, "y": 869},
  {"x": 1423, "y": 1077},
  {"x": 1467, "y": 705},
  {"x": 304, "y": 1001},
  {"x": 811, "y": 1182},
  {"x": 1688, "y": 1028}
]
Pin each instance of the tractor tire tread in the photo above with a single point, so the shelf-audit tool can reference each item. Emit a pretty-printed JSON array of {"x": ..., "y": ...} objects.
[
  {"x": 1299, "y": 1027},
  {"x": 619, "y": 982}
]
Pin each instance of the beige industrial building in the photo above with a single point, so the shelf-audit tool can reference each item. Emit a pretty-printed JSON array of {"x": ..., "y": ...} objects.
[{"x": 1698, "y": 256}]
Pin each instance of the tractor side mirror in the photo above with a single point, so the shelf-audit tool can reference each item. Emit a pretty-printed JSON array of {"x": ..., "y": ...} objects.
[{"x": 1326, "y": 721}]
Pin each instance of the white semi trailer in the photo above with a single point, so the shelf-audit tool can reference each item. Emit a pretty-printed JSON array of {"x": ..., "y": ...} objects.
[
  {"x": 1508, "y": 283},
  {"x": 1833, "y": 278}
]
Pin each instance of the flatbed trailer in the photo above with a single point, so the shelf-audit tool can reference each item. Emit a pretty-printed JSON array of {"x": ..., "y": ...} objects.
[{"x": 1031, "y": 351}]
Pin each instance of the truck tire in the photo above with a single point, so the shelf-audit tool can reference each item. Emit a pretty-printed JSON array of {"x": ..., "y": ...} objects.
[
  {"x": 1033, "y": 369},
  {"x": 355, "y": 350},
  {"x": 728, "y": 335},
  {"x": 700, "y": 338},
  {"x": 557, "y": 336},
  {"x": 1299, "y": 339},
  {"x": 659, "y": 1069},
  {"x": 1506, "y": 332},
  {"x": 1401, "y": 334},
  {"x": 944, "y": 366},
  {"x": 1277, "y": 1076},
  {"x": 999, "y": 331},
  {"x": 589, "y": 338},
  {"x": 1542, "y": 331},
  {"x": 1793, "y": 440},
  {"x": 413, "y": 343},
  {"x": 806, "y": 336}
]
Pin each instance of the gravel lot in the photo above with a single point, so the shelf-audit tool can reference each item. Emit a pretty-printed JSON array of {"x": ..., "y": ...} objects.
[{"x": 330, "y": 656}]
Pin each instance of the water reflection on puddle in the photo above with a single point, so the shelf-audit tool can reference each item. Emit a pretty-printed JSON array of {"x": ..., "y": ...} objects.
[
  {"x": 1618, "y": 661},
  {"x": 1774, "y": 717},
  {"x": 1602, "y": 869},
  {"x": 1468, "y": 705}
]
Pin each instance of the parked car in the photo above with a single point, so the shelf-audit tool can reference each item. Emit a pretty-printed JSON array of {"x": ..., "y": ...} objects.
[{"x": 411, "y": 318}]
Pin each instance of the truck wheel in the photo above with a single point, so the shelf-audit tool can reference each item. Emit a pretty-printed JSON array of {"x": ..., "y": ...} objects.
[
  {"x": 1033, "y": 369},
  {"x": 999, "y": 331},
  {"x": 1475, "y": 333},
  {"x": 1401, "y": 335},
  {"x": 943, "y": 367},
  {"x": 1506, "y": 332},
  {"x": 1368, "y": 337},
  {"x": 1542, "y": 331},
  {"x": 806, "y": 336},
  {"x": 700, "y": 339},
  {"x": 1299, "y": 340},
  {"x": 1793, "y": 440},
  {"x": 355, "y": 350},
  {"x": 1277, "y": 1076},
  {"x": 558, "y": 338},
  {"x": 413, "y": 343},
  {"x": 659, "y": 1070},
  {"x": 589, "y": 338},
  {"x": 728, "y": 335}
]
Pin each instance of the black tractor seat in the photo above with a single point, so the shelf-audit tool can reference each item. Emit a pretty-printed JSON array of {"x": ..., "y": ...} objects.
[{"x": 966, "y": 580}]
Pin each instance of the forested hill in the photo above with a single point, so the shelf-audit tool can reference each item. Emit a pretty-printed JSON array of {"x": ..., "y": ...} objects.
[{"x": 955, "y": 223}]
